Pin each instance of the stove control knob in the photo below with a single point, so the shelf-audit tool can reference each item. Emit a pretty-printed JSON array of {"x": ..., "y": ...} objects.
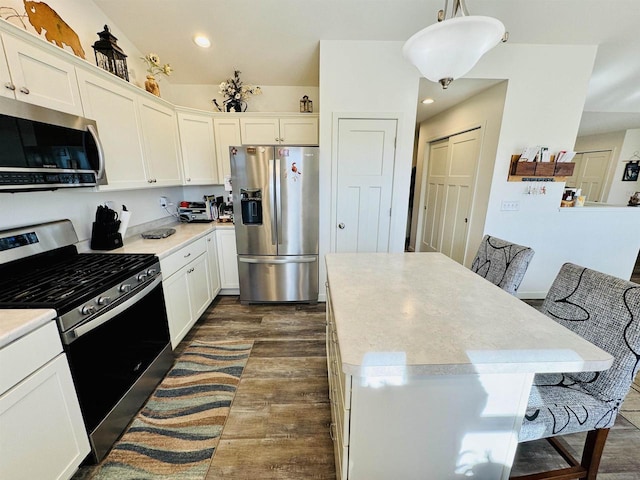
[
  {"x": 103, "y": 300},
  {"x": 124, "y": 288},
  {"x": 142, "y": 277},
  {"x": 151, "y": 272},
  {"x": 88, "y": 310}
]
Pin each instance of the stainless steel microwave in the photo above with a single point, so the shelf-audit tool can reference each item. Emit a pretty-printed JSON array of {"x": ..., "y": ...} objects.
[{"x": 43, "y": 149}]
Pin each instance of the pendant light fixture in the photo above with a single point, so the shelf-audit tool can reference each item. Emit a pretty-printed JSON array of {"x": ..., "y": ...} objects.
[{"x": 450, "y": 48}]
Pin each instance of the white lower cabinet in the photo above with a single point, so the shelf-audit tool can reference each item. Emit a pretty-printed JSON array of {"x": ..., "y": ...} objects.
[
  {"x": 214, "y": 268},
  {"x": 227, "y": 257},
  {"x": 187, "y": 287},
  {"x": 42, "y": 434},
  {"x": 340, "y": 398}
]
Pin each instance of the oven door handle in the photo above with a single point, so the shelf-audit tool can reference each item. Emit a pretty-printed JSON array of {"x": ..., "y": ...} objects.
[{"x": 74, "y": 334}]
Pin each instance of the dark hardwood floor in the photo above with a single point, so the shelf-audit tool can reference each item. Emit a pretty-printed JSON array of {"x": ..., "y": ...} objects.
[{"x": 278, "y": 426}]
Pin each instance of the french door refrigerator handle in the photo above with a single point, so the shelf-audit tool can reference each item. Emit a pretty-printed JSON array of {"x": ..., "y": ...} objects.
[
  {"x": 278, "y": 202},
  {"x": 271, "y": 260},
  {"x": 272, "y": 204}
]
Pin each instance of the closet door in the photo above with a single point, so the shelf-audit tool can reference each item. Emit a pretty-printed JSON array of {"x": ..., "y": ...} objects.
[{"x": 451, "y": 177}]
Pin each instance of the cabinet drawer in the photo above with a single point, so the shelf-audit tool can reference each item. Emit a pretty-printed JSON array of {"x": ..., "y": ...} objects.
[
  {"x": 27, "y": 354},
  {"x": 182, "y": 257}
]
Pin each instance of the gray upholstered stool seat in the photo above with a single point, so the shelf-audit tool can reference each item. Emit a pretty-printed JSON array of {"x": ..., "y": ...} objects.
[
  {"x": 604, "y": 310},
  {"x": 502, "y": 263},
  {"x": 559, "y": 406}
]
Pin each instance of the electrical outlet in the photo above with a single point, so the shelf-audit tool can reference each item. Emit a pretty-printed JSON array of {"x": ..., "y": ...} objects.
[
  {"x": 163, "y": 201},
  {"x": 510, "y": 205}
]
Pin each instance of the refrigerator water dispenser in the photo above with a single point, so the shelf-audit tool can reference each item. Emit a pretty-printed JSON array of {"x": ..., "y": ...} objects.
[{"x": 251, "y": 204}]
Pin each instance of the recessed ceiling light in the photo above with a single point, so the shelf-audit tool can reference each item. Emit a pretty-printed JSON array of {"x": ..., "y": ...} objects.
[
  {"x": 202, "y": 41},
  {"x": 427, "y": 101}
]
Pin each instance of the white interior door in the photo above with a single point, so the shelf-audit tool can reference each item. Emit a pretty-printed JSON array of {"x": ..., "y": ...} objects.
[
  {"x": 366, "y": 156},
  {"x": 436, "y": 179},
  {"x": 451, "y": 175},
  {"x": 592, "y": 168}
]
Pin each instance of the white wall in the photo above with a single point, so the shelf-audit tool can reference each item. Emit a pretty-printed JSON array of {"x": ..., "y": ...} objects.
[
  {"x": 361, "y": 78},
  {"x": 272, "y": 99},
  {"x": 483, "y": 110},
  {"x": 630, "y": 150},
  {"x": 79, "y": 205},
  {"x": 543, "y": 107}
]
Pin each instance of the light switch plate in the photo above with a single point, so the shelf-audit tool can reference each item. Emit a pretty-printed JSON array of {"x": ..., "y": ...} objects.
[{"x": 510, "y": 205}]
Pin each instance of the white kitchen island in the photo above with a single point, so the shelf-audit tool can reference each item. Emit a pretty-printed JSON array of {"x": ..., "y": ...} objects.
[{"x": 430, "y": 367}]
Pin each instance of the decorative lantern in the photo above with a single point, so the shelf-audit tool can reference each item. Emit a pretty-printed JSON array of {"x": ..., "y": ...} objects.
[
  {"x": 109, "y": 56},
  {"x": 306, "y": 105}
]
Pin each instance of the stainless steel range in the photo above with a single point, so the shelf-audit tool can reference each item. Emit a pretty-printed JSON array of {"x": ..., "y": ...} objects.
[{"x": 111, "y": 317}]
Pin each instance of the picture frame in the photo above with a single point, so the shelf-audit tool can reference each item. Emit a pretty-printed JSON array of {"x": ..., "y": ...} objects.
[{"x": 631, "y": 171}]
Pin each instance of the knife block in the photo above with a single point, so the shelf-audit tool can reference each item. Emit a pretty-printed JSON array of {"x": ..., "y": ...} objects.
[{"x": 105, "y": 236}]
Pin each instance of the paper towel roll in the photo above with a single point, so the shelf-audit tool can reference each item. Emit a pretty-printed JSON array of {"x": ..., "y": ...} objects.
[{"x": 125, "y": 216}]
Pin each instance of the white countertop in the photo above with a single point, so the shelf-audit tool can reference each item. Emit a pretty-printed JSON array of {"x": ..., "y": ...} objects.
[
  {"x": 185, "y": 233},
  {"x": 423, "y": 313},
  {"x": 16, "y": 323}
]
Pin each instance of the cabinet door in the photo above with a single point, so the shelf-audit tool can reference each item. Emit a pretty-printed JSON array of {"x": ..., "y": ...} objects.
[
  {"x": 227, "y": 133},
  {"x": 43, "y": 433},
  {"x": 114, "y": 109},
  {"x": 199, "y": 287},
  {"x": 42, "y": 78},
  {"x": 7, "y": 87},
  {"x": 198, "y": 149},
  {"x": 214, "y": 269},
  {"x": 260, "y": 131},
  {"x": 176, "y": 296},
  {"x": 160, "y": 140},
  {"x": 299, "y": 130},
  {"x": 227, "y": 257}
]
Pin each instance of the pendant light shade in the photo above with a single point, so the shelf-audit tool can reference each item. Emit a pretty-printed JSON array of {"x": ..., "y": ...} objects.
[{"x": 448, "y": 49}]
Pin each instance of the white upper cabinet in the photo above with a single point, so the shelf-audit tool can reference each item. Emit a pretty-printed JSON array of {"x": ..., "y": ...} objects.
[
  {"x": 298, "y": 130},
  {"x": 115, "y": 111},
  {"x": 227, "y": 134},
  {"x": 160, "y": 140},
  {"x": 198, "y": 148},
  {"x": 6, "y": 85},
  {"x": 40, "y": 77}
]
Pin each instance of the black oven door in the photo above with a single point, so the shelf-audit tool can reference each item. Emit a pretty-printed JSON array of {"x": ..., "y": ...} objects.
[{"x": 117, "y": 364}]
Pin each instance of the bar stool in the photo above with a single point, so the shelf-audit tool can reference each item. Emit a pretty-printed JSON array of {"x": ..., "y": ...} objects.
[
  {"x": 502, "y": 263},
  {"x": 604, "y": 310}
]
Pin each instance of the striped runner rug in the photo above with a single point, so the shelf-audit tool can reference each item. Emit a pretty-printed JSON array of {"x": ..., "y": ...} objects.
[{"x": 175, "y": 434}]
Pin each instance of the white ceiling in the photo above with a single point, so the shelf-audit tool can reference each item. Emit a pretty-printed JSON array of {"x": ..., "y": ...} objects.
[{"x": 276, "y": 42}]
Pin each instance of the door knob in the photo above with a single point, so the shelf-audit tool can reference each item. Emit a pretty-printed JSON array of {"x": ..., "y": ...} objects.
[{"x": 341, "y": 226}]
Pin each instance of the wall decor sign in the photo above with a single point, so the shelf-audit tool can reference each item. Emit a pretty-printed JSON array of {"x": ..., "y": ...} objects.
[
  {"x": 42, "y": 17},
  {"x": 631, "y": 171}
]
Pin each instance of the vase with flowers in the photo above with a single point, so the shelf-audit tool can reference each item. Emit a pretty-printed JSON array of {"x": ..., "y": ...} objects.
[
  {"x": 154, "y": 67},
  {"x": 235, "y": 94}
]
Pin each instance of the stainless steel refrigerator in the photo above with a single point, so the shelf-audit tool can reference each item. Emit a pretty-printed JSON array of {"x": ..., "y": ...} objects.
[{"x": 275, "y": 211}]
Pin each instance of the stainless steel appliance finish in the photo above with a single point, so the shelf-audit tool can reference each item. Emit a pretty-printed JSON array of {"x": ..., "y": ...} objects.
[
  {"x": 43, "y": 149},
  {"x": 275, "y": 203},
  {"x": 111, "y": 317}
]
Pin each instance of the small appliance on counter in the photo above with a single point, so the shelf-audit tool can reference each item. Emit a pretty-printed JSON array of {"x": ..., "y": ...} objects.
[{"x": 194, "y": 212}]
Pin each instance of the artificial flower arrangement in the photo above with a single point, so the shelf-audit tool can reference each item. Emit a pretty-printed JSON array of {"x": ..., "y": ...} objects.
[
  {"x": 235, "y": 94},
  {"x": 154, "y": 68},
  {"x": 153, "y": 65}
]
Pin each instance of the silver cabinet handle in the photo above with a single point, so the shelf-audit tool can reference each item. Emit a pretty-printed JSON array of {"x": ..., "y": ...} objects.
[
  {"x": 24, "y": 90},
  {"x": 341, "y": 226},
  {"x": 10, "y": 86}
]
